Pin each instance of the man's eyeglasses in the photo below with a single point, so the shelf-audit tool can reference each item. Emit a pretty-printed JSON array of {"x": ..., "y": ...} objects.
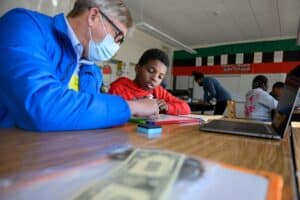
[{"x": 119, "y": 37}]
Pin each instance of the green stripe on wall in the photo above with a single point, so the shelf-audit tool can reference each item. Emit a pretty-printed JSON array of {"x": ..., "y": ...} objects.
[{"x": 250, "y": 47}]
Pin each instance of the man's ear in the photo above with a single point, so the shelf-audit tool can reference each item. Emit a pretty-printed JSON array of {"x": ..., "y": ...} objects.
[{"x": 92, "y": 16}]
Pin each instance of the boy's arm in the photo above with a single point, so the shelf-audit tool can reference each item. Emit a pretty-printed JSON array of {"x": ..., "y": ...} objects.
[{"x": 114, "y": 90}]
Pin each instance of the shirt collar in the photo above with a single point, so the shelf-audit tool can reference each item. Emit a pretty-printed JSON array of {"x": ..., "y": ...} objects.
[{"x": 78, "y": 48}]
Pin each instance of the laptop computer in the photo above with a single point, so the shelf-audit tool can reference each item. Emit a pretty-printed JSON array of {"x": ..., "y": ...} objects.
[{"x": 274, "y": 130}]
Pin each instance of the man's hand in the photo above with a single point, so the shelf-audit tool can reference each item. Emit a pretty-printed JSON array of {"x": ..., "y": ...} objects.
[{"x": 144, "y": 108}]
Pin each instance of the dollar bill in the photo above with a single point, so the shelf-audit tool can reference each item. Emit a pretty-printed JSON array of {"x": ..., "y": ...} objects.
[{"x": 147, "y": 174}]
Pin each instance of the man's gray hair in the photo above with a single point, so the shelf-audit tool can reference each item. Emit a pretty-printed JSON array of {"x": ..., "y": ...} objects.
[{"x": 114, "y": 8}]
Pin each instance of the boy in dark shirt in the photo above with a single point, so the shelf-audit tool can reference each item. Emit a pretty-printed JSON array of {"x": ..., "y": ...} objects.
[{"x": 277, "y": 90}]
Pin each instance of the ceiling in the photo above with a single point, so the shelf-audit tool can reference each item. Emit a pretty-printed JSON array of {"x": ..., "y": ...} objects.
[{"x": 206, "y": 22}]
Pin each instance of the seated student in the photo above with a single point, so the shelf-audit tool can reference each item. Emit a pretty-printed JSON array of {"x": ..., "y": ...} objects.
[
  {"x": 150, "y": 72},
  {"x": 259, "y": 103},
  {"x": 277, "y": 90},
  {"x": 213, "y": 89}
]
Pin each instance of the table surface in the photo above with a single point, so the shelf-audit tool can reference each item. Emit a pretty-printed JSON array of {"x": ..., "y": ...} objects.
[
  {"x": 296, "y": 143},
  {"x": 24, "y": 152}
]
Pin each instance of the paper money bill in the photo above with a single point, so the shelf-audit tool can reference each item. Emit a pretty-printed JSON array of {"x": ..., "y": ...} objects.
[{"x": 147, "y": 174}]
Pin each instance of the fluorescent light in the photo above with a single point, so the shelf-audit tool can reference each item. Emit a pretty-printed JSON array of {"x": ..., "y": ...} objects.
[{"x": 163, "y": 37}]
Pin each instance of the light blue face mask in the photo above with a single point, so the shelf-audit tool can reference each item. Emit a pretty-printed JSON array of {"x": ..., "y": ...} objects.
[{"x": 104, "y": 50}]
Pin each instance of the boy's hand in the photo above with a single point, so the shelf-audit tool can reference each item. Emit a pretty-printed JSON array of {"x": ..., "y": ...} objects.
[{"x": 163, "y": 106}]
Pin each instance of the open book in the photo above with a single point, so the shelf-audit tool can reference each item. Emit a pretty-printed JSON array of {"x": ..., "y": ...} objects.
[{"x": 167, "y": 119}]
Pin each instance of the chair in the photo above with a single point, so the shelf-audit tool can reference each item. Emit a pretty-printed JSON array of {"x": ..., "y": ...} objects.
[{"x": 230, "y": 111}]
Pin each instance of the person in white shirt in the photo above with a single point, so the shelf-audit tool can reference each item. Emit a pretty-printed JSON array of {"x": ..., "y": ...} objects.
[{"x": 259, "y": 103}]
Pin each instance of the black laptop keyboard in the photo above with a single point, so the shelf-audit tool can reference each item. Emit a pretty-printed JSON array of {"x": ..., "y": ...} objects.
[{"x": 238, "y": 126}]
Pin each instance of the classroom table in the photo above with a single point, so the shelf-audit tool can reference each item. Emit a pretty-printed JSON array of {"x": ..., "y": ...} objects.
[
  {"x": 296, "y": 147},
  {"x": 23, "y": 152}
]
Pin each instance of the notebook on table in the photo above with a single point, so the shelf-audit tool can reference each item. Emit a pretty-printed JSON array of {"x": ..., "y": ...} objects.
[
  {"x": 166, "y": 119},
  {"x": 274, "y": 130}
]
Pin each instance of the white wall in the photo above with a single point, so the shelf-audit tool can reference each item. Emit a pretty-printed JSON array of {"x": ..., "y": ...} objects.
[{"x": 50, "y": 7}]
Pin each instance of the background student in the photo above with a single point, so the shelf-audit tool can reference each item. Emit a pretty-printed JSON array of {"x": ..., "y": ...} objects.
[
  {"x": 150, "y": 71},
  {"x": 277, "y": 89},
  {"x": 259, "y": 103},
  {"x": 48, "y": 79},
  {"x": 213, "y": 89}
]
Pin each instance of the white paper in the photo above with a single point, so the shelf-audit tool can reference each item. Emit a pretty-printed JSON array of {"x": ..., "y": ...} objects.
[
  {"x": 257, "y": 57},
  {"x": 210, "y": 61},
  {"x": 198, "y": 61},
  {"x": 219, "y": 183},
  {"x": 224, "y": 59},
  {"x": 204, "y": 118},
  {"x": 278, "y": 56},
  {"x": 239, "y": 58}
]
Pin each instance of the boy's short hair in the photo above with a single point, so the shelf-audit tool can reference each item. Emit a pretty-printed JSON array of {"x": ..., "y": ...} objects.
[
  {"x": 197, "y": 75},
  {"x": 154, "y": 54},
  {"x": 259, "y": 81},
  {"x": 278, "y": 84}
]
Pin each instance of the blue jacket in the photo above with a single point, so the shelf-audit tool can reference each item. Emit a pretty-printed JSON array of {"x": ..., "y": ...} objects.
[
  {"x": 213, "y": 89},
  {"x": 36, "y": 63}
]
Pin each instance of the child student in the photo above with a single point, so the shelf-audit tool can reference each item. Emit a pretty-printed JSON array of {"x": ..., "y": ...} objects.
[
  {"x": 277, "y": 89},
  {"x": 150, "y": 71},
  {"x": 259, "y": 103}
]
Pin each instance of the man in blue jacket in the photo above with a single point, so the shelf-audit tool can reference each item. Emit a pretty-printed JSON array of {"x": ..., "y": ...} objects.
[
  {"x": 213, "y": 89},
  {"x": 48, "y": 79}
]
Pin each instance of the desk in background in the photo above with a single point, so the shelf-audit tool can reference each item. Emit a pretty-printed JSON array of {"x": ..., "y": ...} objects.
[
  {"x": 296, "y": 115},
  {"x": 26, "y": 152},
  {"x": 201, "y": 107}
]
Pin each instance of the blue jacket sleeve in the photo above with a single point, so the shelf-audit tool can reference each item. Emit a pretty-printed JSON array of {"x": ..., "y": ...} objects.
[
  {"x": 90, "y": 79},
  {"x": 33, "y": 94}
]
